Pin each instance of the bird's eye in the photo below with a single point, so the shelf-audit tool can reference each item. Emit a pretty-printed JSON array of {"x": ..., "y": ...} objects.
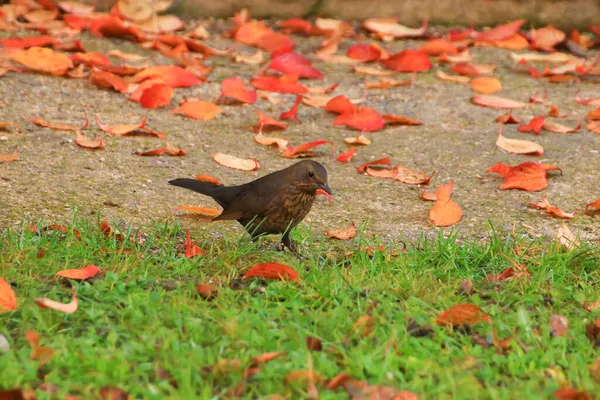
[{"x": 311, "y": 174}]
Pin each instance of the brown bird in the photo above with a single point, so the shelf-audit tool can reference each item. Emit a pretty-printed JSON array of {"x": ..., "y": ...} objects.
[{"x": 273, "y": 204}]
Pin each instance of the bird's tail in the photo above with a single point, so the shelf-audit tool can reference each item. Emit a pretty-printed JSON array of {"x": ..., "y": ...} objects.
[{"x": 221, "y": 194}]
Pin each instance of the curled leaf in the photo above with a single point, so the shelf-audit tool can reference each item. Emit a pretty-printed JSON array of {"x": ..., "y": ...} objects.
[
  {"x": 346, "y": 156},
  {"x": 516, "y": 146},
  {"x": 342, "y": 233},
  {"x": 67, "y": 308},
  {"x": 496, "y": 102},
  {"x": 445, "y": 211},
  {"x": 302, "y": 150},
  {"x": 235, "y": 163},
  {"x": 87, "y": 143}
]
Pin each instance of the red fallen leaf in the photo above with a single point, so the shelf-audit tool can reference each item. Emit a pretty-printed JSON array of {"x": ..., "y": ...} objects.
[
  {"x": 192, "y": 250},
  {"x": 364, "y": 119},
  {"x": 516, "y": 146},
  {"x": 302, "y": 150},
  {"x": 198, "y": 109},
  {"x": 538, "y": 99},
  {"x": 438, "y": 46},
  {"x": 340, "y": 105},
  {"x": 121, "y": 70},
  {"x": 465, "y": 69},
  {"x": 346, "y": 156},
  {"x": 279, "y": 84},
  {"x": 113, "y": 393},
  {"x": 268, "y": 124},
  {"x": 555, "y": 112},
  {"x": 250, "y": 32},
  {"x": 204, "y": 211},
  {"x": 545, "y": 205},
  {"x": 157, "y": 95},
  {"x": 77, "y": 22},
  {"x": 595, "y": 204},
  {"x": 546, "y": 38},
  {"x": 121, "y": 130},
  {"x": 592, "y": 101},
  {"x": 208, "y": 178},
  {"x": 87, "y": 143},
  {"x": 594, "y": 127},
  {"x": 79, "y": 274},
  {"x": 270, "y": 141},
  {"x": 235, "y": 163},
  {"x": 68, "y": 308},
  {"x": 535, "y": 125},
  {"x": 41, "y": 254},
  {"x": 207, "y": 291},
  {"x": 382, "y": 161},
  {"x": 59, "y": 126},
  {"x": 485, "y": 100},
  {"x": 500, "y": 32},
  {"x": 294, "y": 64},
  {"x": 342, "y": 233},
  {"x": 291, "y": 114},
  {"x": 235, "y": 88},
  {"x": 8, "y": 299},
  {"x": 27, "y": 42},
  {"x": 172, "y": 75},
  {"x": 272, "y": 271},
  {"x": 110, "y": 26},
  {"x": 14, "y": 156},
  {"x": 61, "y": 228},
  {"x": 568, "y": 393},
  {"x": 508, "y": 119},
  {"x": 394, "y": 120},
  {"x": 296, "y": 25},
  {"x": 168, "y": 149},
  {"x": 409, "y": 61},
  {"x": 461, "y": 315},
  {"x": 91, "y": 59},
  {"x": 506, "y": 274},
  {"x": 109, "y": 80},
  {"x": 533, "y": 72},
  {"x": 364, "y": 52},
  {"x": 528, "y": 176},
  {"x": 445, "y": 211},
  {"x": 43, "y": 60},
  {"x": 275, "y": 41},
  {"x": 559, "y": 128}
]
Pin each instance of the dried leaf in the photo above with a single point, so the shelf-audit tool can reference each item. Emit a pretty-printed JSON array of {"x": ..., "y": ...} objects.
[
  {"x": 8, "y": 299},
  {"x": 198, "y": 109},
  {"x": 535, "y": 125},
  {"x": 500, "y": 32},
  {"x": 445, "y": 211},
  {"x": 267, "y": 123},
  {"x": 172, "y": 75},
  {"x": 9, "y": 157},
  {"x": 568, "y": 393},
  {"x": 342, "y": 233},
  {"x": 496, "y": 102},
  {"x": 559, "y": 325},
  {"x": 272, "y": 271},
  {"x": 302, "y": 150},
  {"x": 59, "y": 126},
  {"x": 595, "y": 204},
  {"x": 461, "y": 315},
  {"x": 438, "y": 46},
  {"x": 235, "y": 163},
  {"x": 207, "y": 291},
  {"x": 87, "y": 143},
  {"x": 545, "y": 205},
  {"x": 271, "y": 141},
  {"x": 508, "y": 119},
  {"x": 157, "y": 95},
  {"x": 113, "y": 393},
  {"x": 267, "y": 357},
  {"x": 283, "y": 84},
  {"x": 559, "y": 128},
  {"x": 486, "y": 85},
  {"x": 395, "y": 120},
  {"x": 528, "y": 176},
  {"x": 80, "y": 274},
  {"x": 109, "y": 80},
  {"x": 364, "y": 52},
  {"x": 516, "y": 146},
  {"x": 388, "y": 27},
  {"x": 358, "y": 140},
  {"x": 291, "y": 114},
  {"x": 364, "y": 325},
  {"x": 386, "y": 83},
  {"x": 452, "y": 78},
  {"x": 43, "y": 60},
  {"x": 340, "y": 105},
  {"x": 67, "y": 308},
  {"x": 294, "y": 64},
  {"x": 121, "y": 130},
  {"x": 382, "y": 161}
]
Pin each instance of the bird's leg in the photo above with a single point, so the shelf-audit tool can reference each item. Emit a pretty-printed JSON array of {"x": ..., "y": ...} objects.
[{"x": 287, "y": 242}]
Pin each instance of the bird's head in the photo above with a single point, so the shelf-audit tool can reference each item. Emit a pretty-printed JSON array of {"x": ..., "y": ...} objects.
[{"x": 309, "y": 176}]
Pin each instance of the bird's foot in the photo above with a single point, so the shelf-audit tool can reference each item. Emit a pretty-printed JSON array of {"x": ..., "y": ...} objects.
[{"x": 291, "y": 245}]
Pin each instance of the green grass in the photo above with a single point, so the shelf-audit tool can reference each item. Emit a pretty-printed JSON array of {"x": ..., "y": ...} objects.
[{"x": 128, "y": 324}]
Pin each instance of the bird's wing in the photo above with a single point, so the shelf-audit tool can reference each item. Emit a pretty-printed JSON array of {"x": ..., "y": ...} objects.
[{"x": 253, "y": 201}]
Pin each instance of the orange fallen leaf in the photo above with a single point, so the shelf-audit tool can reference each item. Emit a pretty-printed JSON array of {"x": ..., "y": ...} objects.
[
  {"x": 408, "y": 61},
  {"x": 60, "y": 228},
  {"x": 546, "y": 38},
  {"x": 87, "y": 143},
  {"x": 79, "y": 274},
  {"x": 168, "y": 149},
  {"x": 538, "y": 99},
  {"x": 462, "y": 315},
  {"x": 191, "y": 249},
  {"x": 340, "y": 105},
  {"x": 560, "y": 128},
  {"x": 272, "y": 271},
  {"x": 208, "y": 178},
  {"x": 545, "y": 205},
  {"x": 41, "y": 354},
  {"x": 281, "y": 84},
  {"x": 595, "y": 204},
  {"x": 235, "y": 163},
  {"x": 451, "y": 78},
  {"x": 267, "y": 357},
  {"x": 198, "y": 109},
  {"x": 270, "y": 141},
  {"x": 500, "y": 32},
  {"x": 267, "y": 123},
  {"x": 528, "y": 176},
  {"x": 109, "y": 80},
  {"x": 535, "y": 125},
  {"x": 342, "y": 233},
  {"x": 207, "y": 291},
  {"x": 555, "y": 112},
  {"x": 364, "y": 325},
  {"x": 563, "y": 78},
  {"x": 364, "y": 119},
  {"x": 121, "y": 130},
  {"x": 346, "y": 156},
  {"x": 394, "y": 120},
  {"x": 43, "y": 60},
  {"x": 445, "y": 211},
  {"x": 157, "y": 95},
  {"x": 295, "y": 65},
  {"x": 172, "y": 75},
  {"x": 568, "y": 393},
  {"x": 297, "y": 25},
  {"x": 234, "y": 88},
  {"x": 428, "y": 196},
  {"x": 365, "y": 52},
  {"x": 516, "y": 146},
  {"x": 302, "y": 150},
  {"x": 27, "y": 42},
  {"x": 508, "y": 119},
  {"x": 91, "y": 59},
  {"x": 9, "y": 157},
  {"x": 496, "y": 102},
  {"x": 382, "y": 161},
  {"x": 204, "y": 211},
  {"x": 8, "y": 299},
  {"x": 338, "y": 381},
  {"x": 60, "y": 126},
  {"x": 291, "y": 114},
  {"x": 486, "y": 85},
  {"x": 68, "y": 308},
  {"x": 438, "y": 46}
]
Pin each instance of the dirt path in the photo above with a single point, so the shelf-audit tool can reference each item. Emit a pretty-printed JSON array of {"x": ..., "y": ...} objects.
[{"x": 54, "y": 177}]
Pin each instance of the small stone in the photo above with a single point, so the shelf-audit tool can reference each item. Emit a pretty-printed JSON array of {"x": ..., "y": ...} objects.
[{"x": 4, "y": 345}]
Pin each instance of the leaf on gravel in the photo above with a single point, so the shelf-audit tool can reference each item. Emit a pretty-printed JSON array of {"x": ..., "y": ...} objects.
[
  {"x": 121, "y": 130},
  {"x": 394, "y": 120},
  {"x": 372, "y": 71},
  {"x": 517, "y": 146},
  {"x": 253, "y": 59},
  {"x": 272, "y": 271},
  {"x": 535, "y": 125},
  {"x": 235, "y": 163},
  {"x": 508, "y": 119},
  {"x": 267, "y": 123},
  {"x": 366, "y": 52},
  {"x": 67, "y": 308},
  {"x": 346, "y": 156},
  {"x": 500, "y": 32},
  {"x": 294, "y": 64},
  {"x": 198, "y": 109},
  {"x": 14, "y": 156},
  {"x": 364, "y": 119},
  {"x": 280, "y": 84},
  {"x": 438, "y": 46},
  {"x": 595, "y": 204},
  {"x": 340, "y": 105},
  {"x": 204, "y": 211},
  {"x": 291, "y": 114},
  {"x": 79, "y": 274},
  {"x": 87, "y": 143},
  {"x": 27, "y": 42},
  {"x": 342, "y": 233},
  {"x": 358, "y": 140},
  {"x": 280, "y": 143},
  {"x": 382, "y": 161},
  {"x": 409, "y": 61},
  {"x": 303, "y": 150},
  {"x": 441, "y": 75},
  {"x": 59, "y": 126},
  {"x": 528, "y": 176},
  {"x": 234, "y": 88},
  {"x": 545, "y": 205},
  {"x": 559, "y": 128},
  {"x": 172, "y": 75},
  {"x": 559, "y": 325},
  {"x": 8, "y": 299},
  {"x": 496, "y": 102},
  {"x": 43, "y": 60},
  {"x": 445, "y": 211},
  {"x": 486, "y": 85},
  {"x": 157, "y": 95},
  {"x": 5, "y": 124},
  {"x": 390, "y": 28},
  {"x": 91, "y": 59},
  {"x": 191, "y": 249},
  {"x": 462, "y": 315},
  {"x": 109, "y": 80}
]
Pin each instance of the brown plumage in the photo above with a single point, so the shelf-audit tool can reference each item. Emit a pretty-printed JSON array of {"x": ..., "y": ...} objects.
[{"x": 273, "y": 204}]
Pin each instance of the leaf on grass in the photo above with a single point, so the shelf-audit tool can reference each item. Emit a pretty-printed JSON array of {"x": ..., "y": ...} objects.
[
  {"x": 267, "y": 123},
  {"x": 535, "y": 125},
  {"x": 207, "y": 291},
  {"x": 43, "y": 60},
  {"x": 79, "y": 274},
  {"x": 14, "y": 156},
  {"x": 67, "y": 308},
  {"x": 204, "y": 211},
  {"x": 280, "y": 143},
  {"x": 342, "y": 233},
  {"x": 338, "y": 381},
  {"x": 234, "y": 88},
  {"x": 113, "y": 393},
  {"x": 568, "y": 393},
  {"x": 157, "y": 95},
  {"x": 60, "y": 228},
  {"x": 272, "y": 271},
  {"x": 517, "y": 146},
  {"x": 545, "y": 205},
  {"x": 484, "y": 100},
  {"x": 267, "y": 357},
  {"x": 314, "y": 343},
  {"x": 441, "y": 75},
  {"x": 41, "y": 354},
  {"x": 364, "y": 119},
  {"x": 291, "y": 114},
  {"x": 486, "y": 85},
  {"x": 528, "y": 176},
  {"x": 364, "y": 325},
  {"x": 559, "y": 325},
  {"x": 59, "y": 126},
  {"x": 303, "y": 150},
  {"x": 559, "y": 128},
  {"x": 346, "y": 156},
  {"x": 303, "y": 376},
  {"x": 121, "y": 130},
  {"x": 382, "y": 161},
  {"x": 445, "y": 211},
  {"x": 409, "y": 61},
  {"x": 462, "y": 315},
  {"x": 235, "y": 163},
  {"x": 358, "y": 140},
  {"x": 8, "y": 299},
  {"x": 191, "y": 249},
  {"x": 198, "y": 109}
]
